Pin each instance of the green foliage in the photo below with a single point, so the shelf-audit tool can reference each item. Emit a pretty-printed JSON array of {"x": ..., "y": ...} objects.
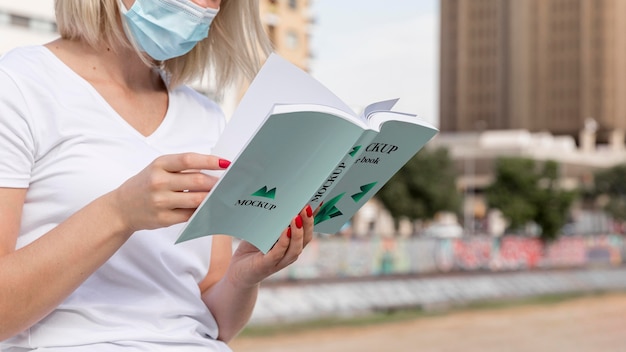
[
  {"x": 612, "y": 184},
  {"x": 553, "y": 202},
  {"x": 525, "y": 193},
  {"x": 515, "y": 180},
  {"x": 425, "y": 186}
]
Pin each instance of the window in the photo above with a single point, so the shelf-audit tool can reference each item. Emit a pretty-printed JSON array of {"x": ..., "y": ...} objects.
[
  {"x": 20, "y": 21},
  {"x": 40, "y": 25},
  {"x": 292, "y": 40}
]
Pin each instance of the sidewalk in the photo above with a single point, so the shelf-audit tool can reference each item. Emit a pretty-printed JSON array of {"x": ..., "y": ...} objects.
[{"x": 301, "y": 301}]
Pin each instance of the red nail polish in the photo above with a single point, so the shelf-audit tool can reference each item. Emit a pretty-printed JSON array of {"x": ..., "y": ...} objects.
[
  {"x": 223, "y": 163},
  {"x": 299, "y": 221},
  {"x": 289, "y": 232},
  {"x": 322, "y": 203},
  {"x": 309, "y": 211}
]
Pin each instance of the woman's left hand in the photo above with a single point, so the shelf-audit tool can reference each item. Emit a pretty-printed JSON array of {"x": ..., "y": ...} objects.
[{"x": 249, "y": 266}]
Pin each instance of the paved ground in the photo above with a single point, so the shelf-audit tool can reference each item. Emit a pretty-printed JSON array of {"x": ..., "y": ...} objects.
[{"x": 586, "y": 324}]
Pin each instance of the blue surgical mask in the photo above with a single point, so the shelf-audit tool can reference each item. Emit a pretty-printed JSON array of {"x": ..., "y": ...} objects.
[{"x": 166, "y": 29}]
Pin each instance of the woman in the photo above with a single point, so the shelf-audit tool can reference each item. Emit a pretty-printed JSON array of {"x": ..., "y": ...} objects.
[{"x": 100, "y": 147}]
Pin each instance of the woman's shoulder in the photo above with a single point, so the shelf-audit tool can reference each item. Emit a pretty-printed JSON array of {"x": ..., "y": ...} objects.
[
  {"x": 20, "y": 57},
  {"x": 21, "y": 67},
  {"x": 26, "y": 64}
]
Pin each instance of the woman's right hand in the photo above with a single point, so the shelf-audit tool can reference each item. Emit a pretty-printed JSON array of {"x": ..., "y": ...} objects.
[{"x": 167, "y": 191}]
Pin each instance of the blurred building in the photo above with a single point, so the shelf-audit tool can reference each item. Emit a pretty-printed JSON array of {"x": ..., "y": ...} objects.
[
  {"x": 288, "y": 24},
  {"x": 536, "y": 65},
  {"x": 475, "y": 154},
  {"x": 25, "y": 23}
]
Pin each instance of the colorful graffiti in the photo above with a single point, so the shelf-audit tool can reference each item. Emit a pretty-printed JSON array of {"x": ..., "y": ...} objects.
[{"x": 342, "y": 258}]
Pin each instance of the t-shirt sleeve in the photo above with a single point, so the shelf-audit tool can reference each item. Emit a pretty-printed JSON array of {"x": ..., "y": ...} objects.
[{"x": 16, "y": 140}]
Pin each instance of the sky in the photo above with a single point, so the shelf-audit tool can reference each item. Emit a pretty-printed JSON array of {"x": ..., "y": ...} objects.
[{"x": 366, "y": 51}]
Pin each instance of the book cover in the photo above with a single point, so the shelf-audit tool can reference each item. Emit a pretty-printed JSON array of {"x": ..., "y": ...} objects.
[{"x": 292, "y": 142}]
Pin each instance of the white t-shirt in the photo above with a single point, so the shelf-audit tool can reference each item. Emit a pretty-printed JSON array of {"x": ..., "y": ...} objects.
[{"x": 60, "y": 139}]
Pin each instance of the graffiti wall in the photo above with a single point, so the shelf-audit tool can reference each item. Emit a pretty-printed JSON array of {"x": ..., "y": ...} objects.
[{"x": 345, "y": 258}]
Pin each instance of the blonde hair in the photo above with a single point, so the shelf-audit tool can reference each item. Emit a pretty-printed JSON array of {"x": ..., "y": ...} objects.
[{"x": 235, "y": 48}]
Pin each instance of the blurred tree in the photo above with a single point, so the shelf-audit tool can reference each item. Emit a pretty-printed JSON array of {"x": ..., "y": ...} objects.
[
  {"x": 512, "y": 191},
  {"x": 425, "y": 186},
  {"x": 611, "y": 184},
  {"x": 552, "y": 202},
  {"x": 525, "y": 193}
]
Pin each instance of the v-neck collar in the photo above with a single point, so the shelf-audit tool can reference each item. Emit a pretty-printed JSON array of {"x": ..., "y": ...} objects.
[{"x": 94, "y": 92}]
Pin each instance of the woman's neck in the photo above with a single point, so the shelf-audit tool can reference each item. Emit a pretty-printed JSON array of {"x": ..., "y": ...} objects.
[{"x": 119, "y": 66}]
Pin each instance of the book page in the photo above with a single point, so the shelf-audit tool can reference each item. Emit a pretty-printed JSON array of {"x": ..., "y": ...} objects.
[
  {"x": 287, "y": 108},
  {"x": 278, "y": 82},
  {"x": 385, "y": 105},
  {"x": 377, "y": 118}
]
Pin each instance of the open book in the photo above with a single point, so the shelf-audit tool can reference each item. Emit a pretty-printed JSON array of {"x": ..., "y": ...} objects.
[{"x": 292, "y": 142}]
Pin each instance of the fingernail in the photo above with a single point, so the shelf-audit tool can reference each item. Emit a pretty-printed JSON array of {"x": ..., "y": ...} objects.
[
  {"x": 309, "y": 211},
  {"x": 224, "y": 163},
  {"x": 322, "y": 203},
  {"x": 289, "y": 232},
  {"x": 299, "y": 221}
]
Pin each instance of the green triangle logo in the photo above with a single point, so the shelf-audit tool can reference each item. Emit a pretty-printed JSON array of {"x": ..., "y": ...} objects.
[
  {"x": 364, "y": 189},
  {"x": 263, "y": 192},
  {"x": 354, "y": 151},
  {"x": 329, "y": 210}
]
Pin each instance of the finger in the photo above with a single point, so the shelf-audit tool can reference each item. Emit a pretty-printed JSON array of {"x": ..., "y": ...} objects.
[
  {"x": 308, "y": 217},
  {"x": 277, "y": 252},
  {"x": 190, "y": 161},
  {"x": 296, "y": 244},
  {"x": 181, "y": 200},
  {"x": 317, "y": 210},
  {"x": 192, "y": 182}
]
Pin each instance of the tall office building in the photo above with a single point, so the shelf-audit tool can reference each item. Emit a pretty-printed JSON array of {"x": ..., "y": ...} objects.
[{"x": 540, "y": 65}]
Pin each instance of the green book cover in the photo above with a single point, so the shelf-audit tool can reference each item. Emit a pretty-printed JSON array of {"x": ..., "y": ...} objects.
[
  {"x": 292, "y": 143},
  {"x": 369, "y": 166}
]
